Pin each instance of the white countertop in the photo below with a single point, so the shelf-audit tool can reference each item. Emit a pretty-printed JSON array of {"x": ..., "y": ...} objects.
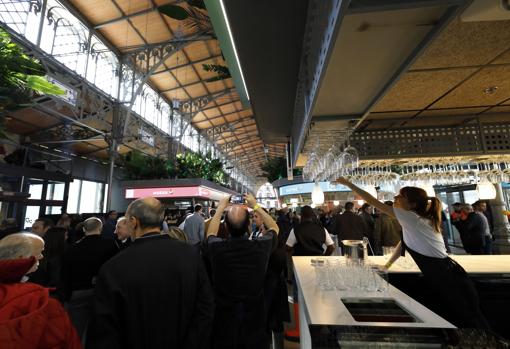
[
  {"x": 487, "y": 264},
  {"x": 326, "y": 307}
]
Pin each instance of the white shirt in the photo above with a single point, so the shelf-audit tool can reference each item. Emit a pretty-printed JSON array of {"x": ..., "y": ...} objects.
[
  {"x": 291, "y": 240},
  {"x": 419, "y": 234}
]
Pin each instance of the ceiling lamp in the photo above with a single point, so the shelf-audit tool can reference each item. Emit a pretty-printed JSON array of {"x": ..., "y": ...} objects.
[
  {"x": 284, "y": 205},
  {"x": 317, "y": 194},
  {"x": 361, "y": 202},
  {"x": 294, "y": 204},
  {"x": 486, "y": 191},
  {"x": 313, "y": 205},
  {"x": 336, "y": 202}
]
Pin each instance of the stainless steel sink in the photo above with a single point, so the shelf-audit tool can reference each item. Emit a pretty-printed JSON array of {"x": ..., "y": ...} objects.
[{"x": 378, "y": 310}]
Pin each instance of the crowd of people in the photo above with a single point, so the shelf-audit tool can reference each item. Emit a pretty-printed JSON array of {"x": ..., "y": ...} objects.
[{"x": 212, "y": 278}]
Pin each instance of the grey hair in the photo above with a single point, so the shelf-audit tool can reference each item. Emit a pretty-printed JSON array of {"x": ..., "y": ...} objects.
[
  {"x": 150, "y": 212},
  {"x": 15, "y": 251},
  {"x": 17, "y": 245},
  {"x": 92, "y": 224}
]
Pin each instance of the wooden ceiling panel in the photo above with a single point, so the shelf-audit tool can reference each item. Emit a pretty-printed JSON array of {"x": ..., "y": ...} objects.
[
  {"x": 503, "y": 59},
  {"x": 498, "y": 109},
  {"x": 186, "y": 75},
  {"x": 392, "y": 115},
  {"x": 121, "y": 34},
  {"x": 218, "y": 121},
  {"x": 466, "y": 43},
  {"x": 152, "y": 27},
  {"x": 210, "y": 113},
  {"x": 177, "y": 27},
  {"x": 471, "y": 92},
  {"x": 451, "y": 112},
  {"x": 202, "y": 125},
  {"x": 35, "y": 117},
  {"x": 229, "y": 108},
  {"x": 89, "y": 9},
  {"x": 416, "y": 90},
  {"x": 217, "y": 86},
  {"x": 232, "y": 117},
  {"x": 196, "y": 90},
  {"x": 197, "y": 50},
  {"x": 129, "y": 6},
  {"x": 423, "y": 122},
  {"x": 18, "y": 127},
  {"x": 164, "y": 81},
  {"x": 179, "y": 94}
]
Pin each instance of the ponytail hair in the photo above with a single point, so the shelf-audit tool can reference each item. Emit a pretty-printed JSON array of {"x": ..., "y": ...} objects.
[
  {"x": 434, "y": 212},
  {"x": 425, "y": 206}
]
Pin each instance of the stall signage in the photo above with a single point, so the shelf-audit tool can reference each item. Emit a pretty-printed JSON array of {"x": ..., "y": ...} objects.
[
  {"x": 304, "y": 188},
  {"x": 173, "y": 192}
]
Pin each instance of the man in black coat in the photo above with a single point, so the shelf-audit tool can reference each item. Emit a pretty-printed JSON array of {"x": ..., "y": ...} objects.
[
  {"x": 471, "y": 230},
  {"x": 348, "y": 225},
  {"x": 239, "y": 267},
  {"x": 154, "y": 294}
]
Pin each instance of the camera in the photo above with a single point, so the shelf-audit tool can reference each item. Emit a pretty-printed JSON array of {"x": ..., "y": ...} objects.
[{"x": 237, "y": 199}]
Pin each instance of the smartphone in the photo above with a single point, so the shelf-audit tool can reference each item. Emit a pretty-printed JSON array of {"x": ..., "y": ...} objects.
[{"x": 236, "y": 199}]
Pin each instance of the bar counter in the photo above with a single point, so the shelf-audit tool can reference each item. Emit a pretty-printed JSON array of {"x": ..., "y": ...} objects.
[{"x": 319, "y": 307}]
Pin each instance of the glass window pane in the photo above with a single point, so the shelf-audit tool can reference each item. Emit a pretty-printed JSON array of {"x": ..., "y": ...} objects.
[
  {"x": 53, "y": 209},
  {"x": 92, "y": 192},
  {"x": 31, "y": 215},
  {"x": 35, "y": 191},
  {"x": 55, "y": 191},
  {"x": 74, "y": 194},
  {"x": 105, "y": 196},
  {"x": 470, "y": 196}
]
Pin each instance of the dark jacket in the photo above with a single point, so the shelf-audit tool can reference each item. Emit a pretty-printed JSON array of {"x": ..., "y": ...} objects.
[
  {"x": 82, "y": 261},
  {"x": 350, "y": 226},
  {"x": 154, "y": 294},
  {"x": 471, "y": 231},
  {"x": 310, "y": 237},
  {"x": 387, "y": 231}
]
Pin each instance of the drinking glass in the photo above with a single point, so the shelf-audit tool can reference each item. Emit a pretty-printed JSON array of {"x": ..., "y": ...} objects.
[{"x": 382, "y": 280}]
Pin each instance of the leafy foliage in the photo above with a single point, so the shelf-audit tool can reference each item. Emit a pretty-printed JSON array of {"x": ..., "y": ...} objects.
[
  {"x": 186, "y": 165},
  {"x": 193, "y": 16},
  {"x": 20, "y": 77},
  {"x": 140, "y": 166},
  {"x": 275, "y": 168},
  {"x": 222, "y": 71}
]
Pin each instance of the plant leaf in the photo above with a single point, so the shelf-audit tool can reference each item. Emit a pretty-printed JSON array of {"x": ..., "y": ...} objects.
[
  {"x": 197, "y": 3},
  {"x": 40, "y": 84},
  {"x": 174, "y": 11}
]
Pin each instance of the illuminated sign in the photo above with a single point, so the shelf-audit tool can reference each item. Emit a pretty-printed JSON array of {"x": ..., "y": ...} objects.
[
  {"x": 305, "y": 188},
  {"x": 174, "y": 192}
]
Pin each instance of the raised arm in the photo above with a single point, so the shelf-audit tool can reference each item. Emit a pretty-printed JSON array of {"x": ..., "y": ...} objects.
[
  {"x": 367, "y": 197},
  {"x": 266, "y": 218},
  {"x": 214, "y": 225}
]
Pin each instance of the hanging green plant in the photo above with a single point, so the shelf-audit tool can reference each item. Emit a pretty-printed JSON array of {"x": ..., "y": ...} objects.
[
  {"x": 193, "y": 16},
  {"x": 222, "y": 71},
  {"x": 275, "y": 168}
]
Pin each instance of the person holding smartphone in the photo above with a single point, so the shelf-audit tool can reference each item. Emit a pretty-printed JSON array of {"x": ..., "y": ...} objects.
[
  {"x": 238, "y": 267},
  {"x": 420, "y": 218}
]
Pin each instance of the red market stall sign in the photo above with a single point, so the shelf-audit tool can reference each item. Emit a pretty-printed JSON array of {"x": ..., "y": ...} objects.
[{"x": 174, "y": 192}]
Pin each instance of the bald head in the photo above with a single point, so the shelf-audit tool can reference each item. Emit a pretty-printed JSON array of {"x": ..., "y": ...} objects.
[
  {"x": 148, "y": 211},
  {"x": 237, "y": 220},
  {"x": 22, "y": 245}
]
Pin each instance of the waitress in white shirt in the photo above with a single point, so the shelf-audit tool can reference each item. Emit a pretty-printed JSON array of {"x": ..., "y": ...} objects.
[{"x": 420, "y": 218}]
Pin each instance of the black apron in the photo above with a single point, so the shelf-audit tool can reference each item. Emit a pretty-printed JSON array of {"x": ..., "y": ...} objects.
[{"x": 455, "y": 290}]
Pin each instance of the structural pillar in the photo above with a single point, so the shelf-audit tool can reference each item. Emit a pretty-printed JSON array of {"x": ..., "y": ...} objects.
[{"x": 500, "y": 222}]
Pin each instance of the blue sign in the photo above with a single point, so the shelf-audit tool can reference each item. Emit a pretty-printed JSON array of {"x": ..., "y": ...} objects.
[{"x": 305, "y": 188}]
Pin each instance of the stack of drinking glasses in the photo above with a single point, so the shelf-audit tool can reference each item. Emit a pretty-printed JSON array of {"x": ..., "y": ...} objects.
[
  {"x": 336, "y": 162},
  {"x": 339, "y": 274}
]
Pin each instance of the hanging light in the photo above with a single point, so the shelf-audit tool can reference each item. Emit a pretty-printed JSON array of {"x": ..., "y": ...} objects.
[
  {"x": 361, "y": 202},
  {"x": 284, "y": 205},
  {"x": 336, "y": 203},
  {"x": 317, "y": 194},
  {"x": 313, "y": 205},
  {"x": 486, "y": 191},
  {"x": 294, "y": 204}
]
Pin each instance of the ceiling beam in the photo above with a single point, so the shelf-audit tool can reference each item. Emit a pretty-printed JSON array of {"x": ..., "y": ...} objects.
[{"x": 185, "y": 65}]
